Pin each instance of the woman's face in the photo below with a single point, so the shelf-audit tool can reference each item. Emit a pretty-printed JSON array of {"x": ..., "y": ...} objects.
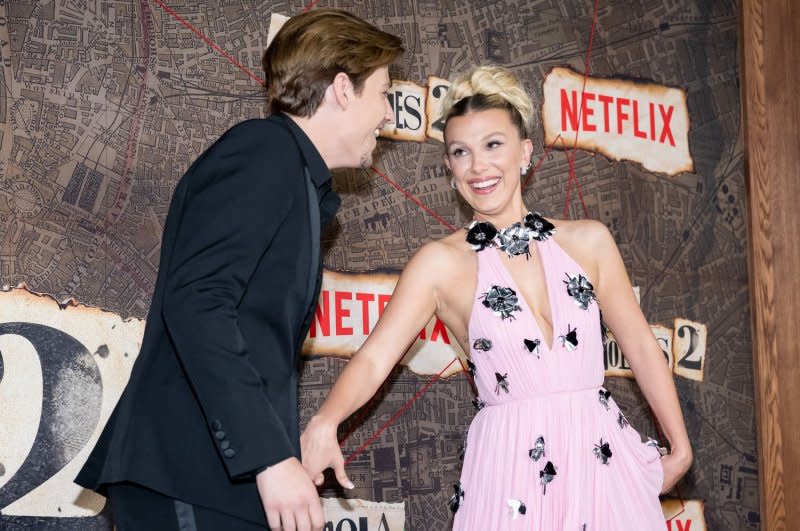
[{"x": 484, "y": 152}]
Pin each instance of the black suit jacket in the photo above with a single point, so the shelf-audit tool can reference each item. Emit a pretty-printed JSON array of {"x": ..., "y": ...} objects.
[{"x": 212, "y": 397}]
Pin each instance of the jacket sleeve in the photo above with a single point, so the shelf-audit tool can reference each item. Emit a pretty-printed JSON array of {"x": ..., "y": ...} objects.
[{"x": 235, "y": 200}]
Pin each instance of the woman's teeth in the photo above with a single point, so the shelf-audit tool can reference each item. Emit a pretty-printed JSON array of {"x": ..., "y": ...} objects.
[{"x": 485, "y": 184}]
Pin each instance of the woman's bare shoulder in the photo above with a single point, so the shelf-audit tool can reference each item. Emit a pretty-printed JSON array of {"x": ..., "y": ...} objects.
[
  {"x": 442, "y": 255},
  {"x": 588, "y": 234}
]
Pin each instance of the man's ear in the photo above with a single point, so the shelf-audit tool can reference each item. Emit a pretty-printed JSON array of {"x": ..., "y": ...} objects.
[{"x": 341, "y": 90}]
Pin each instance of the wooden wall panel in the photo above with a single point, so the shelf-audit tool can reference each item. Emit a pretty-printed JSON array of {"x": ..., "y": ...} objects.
[{"x": 770, "y": 38}]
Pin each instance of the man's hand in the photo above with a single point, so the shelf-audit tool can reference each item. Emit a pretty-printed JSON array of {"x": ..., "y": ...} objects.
[
  {"x": 320, "y": 450},
  {"x": 289, "y": 498}
]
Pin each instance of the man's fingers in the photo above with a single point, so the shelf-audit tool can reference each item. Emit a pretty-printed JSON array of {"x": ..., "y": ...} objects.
[
  {"x": 287, "y": 521},
  {"x": 319, "y": 480},
  {"x": 317, "y": 518},
  {"x": 302, "y": 520},
  {"x": 274, "y": 519}
]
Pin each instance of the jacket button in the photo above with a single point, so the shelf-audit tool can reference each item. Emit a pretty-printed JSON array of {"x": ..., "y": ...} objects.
[
  {"x": 219, "y": 435},
  {"x": 230, "y": 452},
  {"x": 216, "y": 424},
  {"x": 224, "y": 445}
]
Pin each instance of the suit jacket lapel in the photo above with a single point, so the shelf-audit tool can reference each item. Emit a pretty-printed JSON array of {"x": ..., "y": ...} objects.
[{"x": 314, "y": 224}]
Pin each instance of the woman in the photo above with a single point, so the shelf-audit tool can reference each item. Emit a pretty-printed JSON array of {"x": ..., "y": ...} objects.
[{"x": 549, "y": 449}]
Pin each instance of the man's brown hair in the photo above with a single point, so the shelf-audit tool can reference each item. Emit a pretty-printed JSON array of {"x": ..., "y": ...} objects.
[{"x": 311, "y": 48}]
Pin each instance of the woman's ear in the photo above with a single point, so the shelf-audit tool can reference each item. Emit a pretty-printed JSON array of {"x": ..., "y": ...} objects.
[{"x": 527, "y": 152}]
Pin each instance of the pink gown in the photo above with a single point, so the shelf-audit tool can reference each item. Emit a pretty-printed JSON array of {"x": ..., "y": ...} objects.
[{"x": 549, "y": 449}]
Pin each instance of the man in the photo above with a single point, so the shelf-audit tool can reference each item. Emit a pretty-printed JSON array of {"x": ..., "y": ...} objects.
[{"x": 206, "y": 433}]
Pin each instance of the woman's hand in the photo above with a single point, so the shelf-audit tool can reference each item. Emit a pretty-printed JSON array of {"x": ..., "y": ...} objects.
[
  {"x": 675, "y": 465},
  {"x": 320, "y": 450}
]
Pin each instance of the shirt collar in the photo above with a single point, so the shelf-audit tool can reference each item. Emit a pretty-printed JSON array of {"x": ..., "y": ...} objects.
[{"x": 320, "y": 173}]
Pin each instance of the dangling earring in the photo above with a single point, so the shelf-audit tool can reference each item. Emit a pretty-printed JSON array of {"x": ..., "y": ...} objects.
[{"x": 453, "y": 183}]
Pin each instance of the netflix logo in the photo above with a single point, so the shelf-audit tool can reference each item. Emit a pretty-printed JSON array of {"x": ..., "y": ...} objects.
[
  {"x": 622, "y": 119},
  {"x": 348, "y": 309},
  {"x": 684, "y": 515}
]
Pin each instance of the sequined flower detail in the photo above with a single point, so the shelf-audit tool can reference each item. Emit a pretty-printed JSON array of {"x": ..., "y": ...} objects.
[
  {"x": 537, "y": 451},
  {"x": 662, "y": 450},
  {"x": 515, "y": 240},
  {"x": 546, "y": 475},
  {"x": 540, "y": 228},
  {"x": 580, "y": 289},
  {"x": 603, "y": 395},
  {"x": 502, "y": 301},
  {"x": 502, "y": 382},
  {"x": 471, "y": 368},
  {"x": 569, "y": 340},
  {"x": 602, "y": 452},
  {"x": 622, "y": 421},
  {"x": 482, "y": 344},
  {"x": 478, "y": 403},
  {"x": 517, "y": 508},
  {"x": 532, "y": 345},
  {"x": 457, "y": 498},
  {"x": 480, "y": 235}
]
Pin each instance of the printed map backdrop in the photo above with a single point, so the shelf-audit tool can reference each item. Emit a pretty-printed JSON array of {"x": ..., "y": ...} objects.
[{"x": 105, "y": 104}]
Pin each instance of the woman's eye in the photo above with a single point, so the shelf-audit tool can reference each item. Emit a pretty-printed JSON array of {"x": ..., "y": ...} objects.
[
  {"x": 493, "y": 144},
  {"x": 457, "y": 152}
]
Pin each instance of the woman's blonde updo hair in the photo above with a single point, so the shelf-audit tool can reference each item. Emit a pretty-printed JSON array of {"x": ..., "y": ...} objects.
[{"x": 489, "y": 87}]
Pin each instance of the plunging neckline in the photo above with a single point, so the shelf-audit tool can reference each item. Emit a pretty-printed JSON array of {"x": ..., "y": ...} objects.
[{"x": 524, "y": 300}]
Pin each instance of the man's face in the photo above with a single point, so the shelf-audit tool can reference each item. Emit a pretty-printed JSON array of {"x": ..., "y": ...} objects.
[{"x": 368, "y": 114}]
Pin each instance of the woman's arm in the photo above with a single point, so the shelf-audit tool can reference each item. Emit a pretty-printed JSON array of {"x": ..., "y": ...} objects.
[
  {"x": 412, "y": 305},
  {"x": 622, "y": 314}
]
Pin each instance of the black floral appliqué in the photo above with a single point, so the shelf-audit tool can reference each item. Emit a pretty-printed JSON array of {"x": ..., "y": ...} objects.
[
  {"x": 502, "y": 382},
  {"x": 457, "y": 498},
  {"x": 478, "y": 403},
  {"x": 537, "y": 451},
  {"x": 502, "y": 301},
  {"x": 546, "y": 475},
  {"x": 480, "y": 235},
  {"x": 517, "y": 508},
  {"x": 602, "y": 451},
  {"x": 482, "y": 344},
  {"x": 515, "y": 240},
  {"x": 532, "y": 345},
  {"x": 540, "y": 228},
  {"x": 471, "y": 368},
  {"x": 622, "y": 421},
  {"x": 603, "y": 395},
  {"x": 569, "y": 340},
  {"x": 580, "y": 289}
]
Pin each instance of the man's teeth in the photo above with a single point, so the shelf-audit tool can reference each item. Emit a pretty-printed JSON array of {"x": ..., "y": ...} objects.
[
  {"x": 485, "y": 184},
  {"x": 377, "y": 133}
]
